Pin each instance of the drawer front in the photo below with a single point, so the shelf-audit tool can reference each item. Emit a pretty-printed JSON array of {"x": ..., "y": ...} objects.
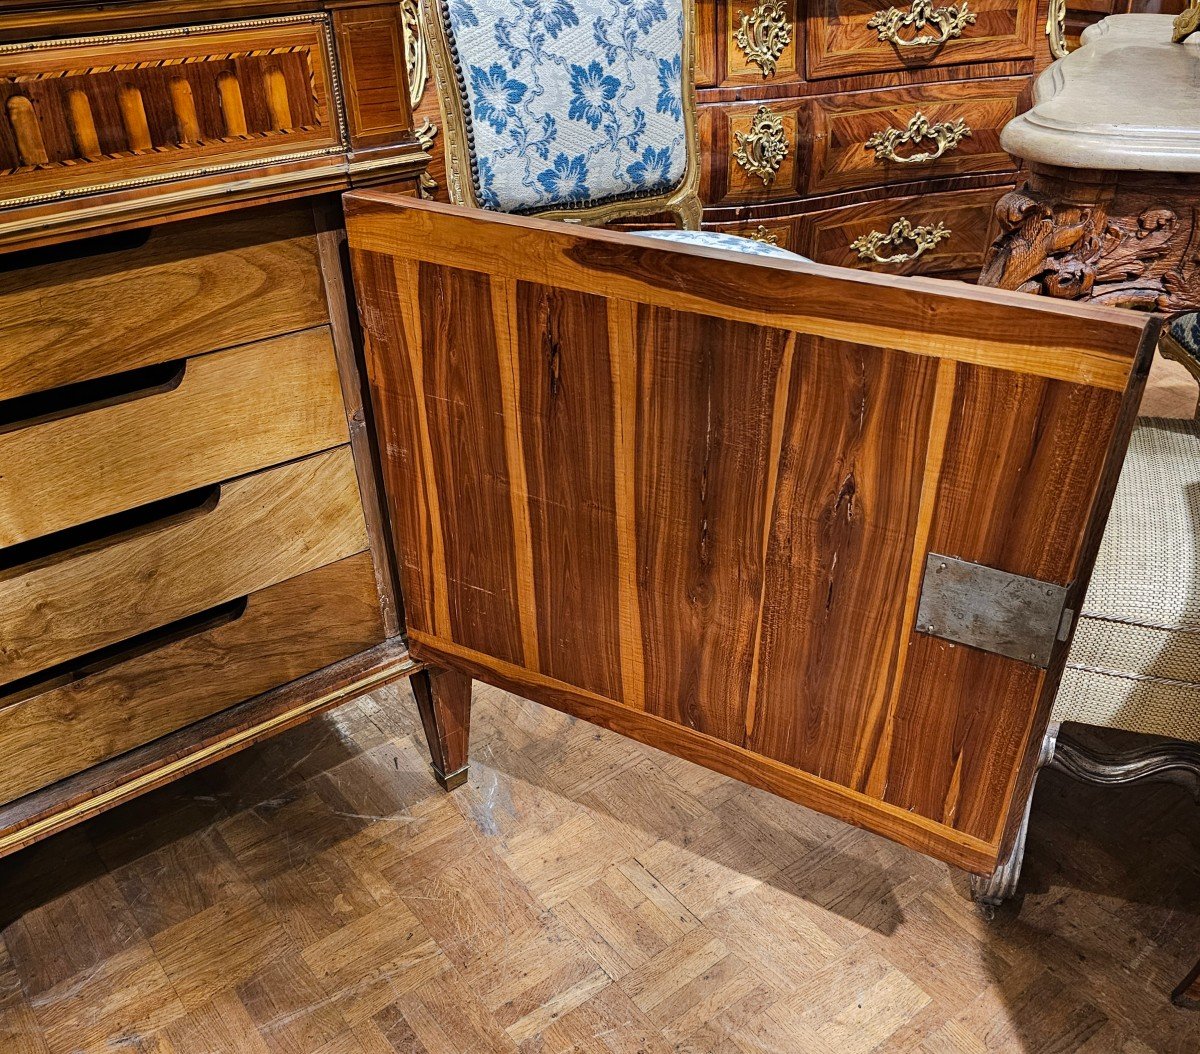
[
  {"x": 236, "y": 539},
  {"x": 754, "y": 151},
  {"x": 116, "y": 303},
  {"x": 847, "y": 37},
  {"x": 271, "y": 637},
  {"x": 894, "y": 236},
  {"x": 905, "y": 134},
  {"x": 96, "y": 113},
  {"x": 172, "y": 429},
  {"x": 934, "y": 234},
  {"x": 763, "y": 43}
]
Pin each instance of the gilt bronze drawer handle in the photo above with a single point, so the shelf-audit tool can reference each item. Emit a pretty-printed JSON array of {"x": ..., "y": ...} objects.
[
  {"x": 924, "y": 238},
  {"x": 945, "y": 136},
  {"x": 761, "y": 150},
  {"x": 763, "y": 34},
  {"x": 950, "y": 22}
]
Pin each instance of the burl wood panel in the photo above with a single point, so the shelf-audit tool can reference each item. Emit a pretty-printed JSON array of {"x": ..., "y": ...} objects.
[
  {"x": 205, "y": 423},
  {"x": 283, "y": 632},
  {"x": 79, "y": 115},
  {"x": 250, "y": 534},
  {"x": 690, "y": 496},
  {"x": 115, "y": 303}
]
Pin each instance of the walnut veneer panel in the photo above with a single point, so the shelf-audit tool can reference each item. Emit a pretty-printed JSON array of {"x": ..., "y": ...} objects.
[
  {"x": 125, "y": 301},
  {"x": 82, "y": 115},
  {"x": 691, "y": 496},
  {"x": 205, "y": 424},
  {"x": 252, "y": 533},
  {"x": 98, "y": 711}
]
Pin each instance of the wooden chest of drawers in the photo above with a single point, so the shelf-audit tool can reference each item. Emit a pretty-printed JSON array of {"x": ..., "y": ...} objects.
[
  {"x": 191, "y": 552},
  {"x": 858, "y": 133}
]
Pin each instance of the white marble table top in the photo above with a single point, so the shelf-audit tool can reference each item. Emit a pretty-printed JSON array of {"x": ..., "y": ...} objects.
[{"x": 1128, "y": 99}]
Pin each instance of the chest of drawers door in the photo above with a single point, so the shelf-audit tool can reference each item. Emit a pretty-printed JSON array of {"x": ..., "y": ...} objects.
[
  {"x": 809, "y": 107},
  {"x": 192, "y": 553}
]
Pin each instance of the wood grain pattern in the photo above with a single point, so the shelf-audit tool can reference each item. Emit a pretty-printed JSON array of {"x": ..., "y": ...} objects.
[
  {"x": 789, "y": 473},
  {"x": 704, "y": 449},
  {"x": 207, "y": 427},
  {"x": 562, "y": 385},
  {"x": 284, "y": 632},
  {"x": 840, "y": 43},
  {"x": 829, "y": 235},
  {"x": 830, "y": 634},
  {"x": 371, "y": 52},
  {"x": 842, "y": 127},
  {"x": 111, "y": 305},
  {"x": 466, "y": 443},
  {"x": 259, "y": 530}
]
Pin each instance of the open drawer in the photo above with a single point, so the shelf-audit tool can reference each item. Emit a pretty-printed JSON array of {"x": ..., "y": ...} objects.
[{"x": 817, "y": 529}]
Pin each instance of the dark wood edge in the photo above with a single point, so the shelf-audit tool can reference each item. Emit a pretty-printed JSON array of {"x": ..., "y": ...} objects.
[
  {"x": 347, "y": 343},
  {"x": 53, "y": 809},
  {"x": 1102, "y": 501},
  {"x": 916, "y": 832}
]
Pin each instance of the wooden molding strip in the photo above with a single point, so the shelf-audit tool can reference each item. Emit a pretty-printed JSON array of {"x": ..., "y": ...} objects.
[
  {"x": 206, "y": 742},
  {"x": 938, "y": 319},
  {"x": 917, "y": 832}
]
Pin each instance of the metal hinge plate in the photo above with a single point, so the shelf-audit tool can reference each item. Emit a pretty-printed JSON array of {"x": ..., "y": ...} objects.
[{"x": 999, "y": 612}]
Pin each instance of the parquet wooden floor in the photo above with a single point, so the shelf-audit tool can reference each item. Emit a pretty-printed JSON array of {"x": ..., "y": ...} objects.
[{"x": 321, "y": 895}]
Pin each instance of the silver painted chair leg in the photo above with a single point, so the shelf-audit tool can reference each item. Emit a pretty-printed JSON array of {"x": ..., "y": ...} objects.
[
  {"x": 1174, "y": 761},
  {"x": 990, "y": 891}
]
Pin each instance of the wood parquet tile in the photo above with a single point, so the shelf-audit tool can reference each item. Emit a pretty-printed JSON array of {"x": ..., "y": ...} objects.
[{"x": 321, "y": 895}]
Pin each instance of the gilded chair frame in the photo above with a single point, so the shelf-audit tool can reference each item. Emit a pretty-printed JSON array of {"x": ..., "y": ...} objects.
[{"x": 683, "y": 201}]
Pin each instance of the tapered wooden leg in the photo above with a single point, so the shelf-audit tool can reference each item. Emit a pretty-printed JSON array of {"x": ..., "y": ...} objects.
[
  {"x": 444, "y": 700},
  {"x": 1187, "y": 995}
]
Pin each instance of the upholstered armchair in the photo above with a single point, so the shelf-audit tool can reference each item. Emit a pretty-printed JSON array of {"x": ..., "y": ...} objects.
[
  {"x": 1134, "y": 664},
  {"x": 576, "y": 110}
]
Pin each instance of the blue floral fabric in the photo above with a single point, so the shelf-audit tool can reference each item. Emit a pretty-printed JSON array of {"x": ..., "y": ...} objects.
[
  {"x": 732, "y": 242},
  {"x": 570, "y": 102}
]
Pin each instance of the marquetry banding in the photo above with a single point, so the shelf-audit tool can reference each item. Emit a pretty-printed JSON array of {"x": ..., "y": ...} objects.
[{"x": 504, "y": 318}]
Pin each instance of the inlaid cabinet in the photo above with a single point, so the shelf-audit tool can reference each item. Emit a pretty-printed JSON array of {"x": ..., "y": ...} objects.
[
  {"x": 192, "y": 548},
  {"x": 205, "y": 513}
]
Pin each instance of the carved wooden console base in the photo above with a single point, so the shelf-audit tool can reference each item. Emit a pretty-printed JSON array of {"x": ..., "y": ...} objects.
[{"x": 1127, "y": 239}]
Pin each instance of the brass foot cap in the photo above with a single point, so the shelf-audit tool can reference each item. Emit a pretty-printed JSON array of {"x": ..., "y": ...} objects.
[{"x": 453, "y": 781}]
